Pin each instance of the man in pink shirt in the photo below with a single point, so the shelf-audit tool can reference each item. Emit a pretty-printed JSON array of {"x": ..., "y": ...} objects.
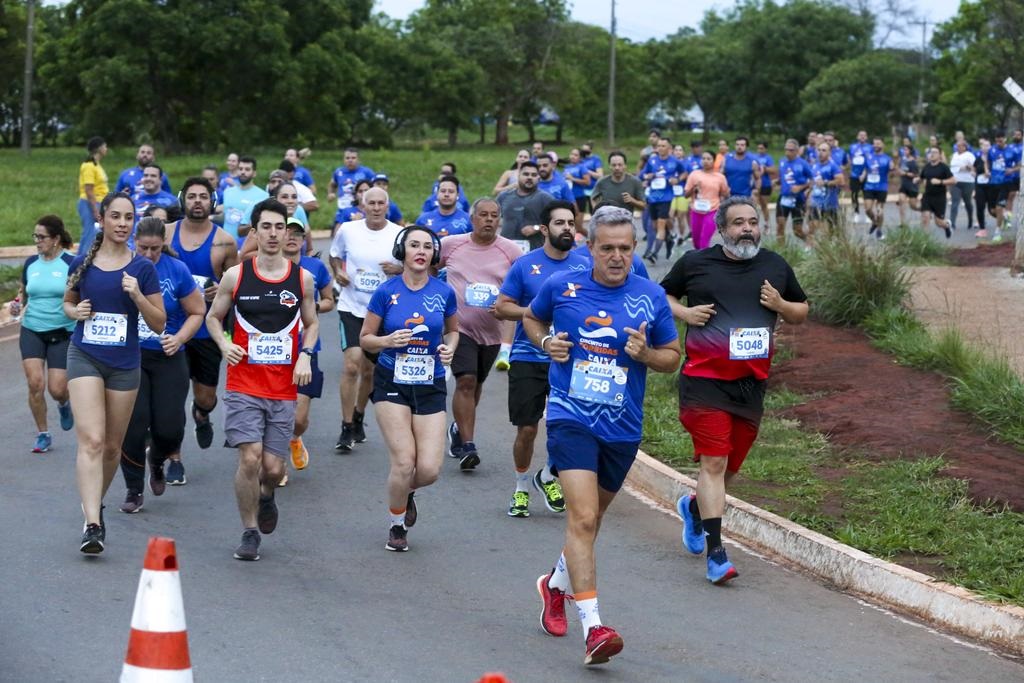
[{"x": 477, "y": 263}]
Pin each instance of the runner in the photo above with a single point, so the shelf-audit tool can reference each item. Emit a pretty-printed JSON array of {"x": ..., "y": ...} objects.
[
  {"x": 411, "y": 323},
  {"x": 108, "y": 286},
  {"x": 130, "y": 180},
  {"x": 271, "y": 298},
  {"x": 477, "y": 263},
  {"x": 908, "y": 172},
  {"x": 610, "y": 327},
  {"x": 345, "y": 177},
  {"x": 510, "y": 177},
  {"x": 240, "y": 198},
  {"x": 984, "y": 194},
  {"x": 742, "y": 170},
  {"x": 962, "y": 165},
  {"x": 354, "y": 212},
  {"x": 431, "y": 203},
  {"x": 45, "y": 328},
  {"x": 551, "y": 181},
  {"x": 661, "y": 173},
  {"x": 208, "y": 251},
  {"x": 764, "y": 192},
  {"x": 679, "y": 212},
  {"x": 528, "y": 375},
  {"x": 619, "y": 188},
  {"x": 361, "y": 261},
  {"x": 937, "y": 178},
  {"x": 794, "y": 179},
  {"x": 228, "y": 178},
  {"x": 157, "y": 424},
  {"x": 447, "y": 218},
  {"x": 705, "y": 188},
  {"x": 1004, "y": 168},
  {"x": 859, "y": 152},
  {"x": 323, "y": 296},
  {"x": 826, "y": 182},
  {"x": 735, "y": 294}
]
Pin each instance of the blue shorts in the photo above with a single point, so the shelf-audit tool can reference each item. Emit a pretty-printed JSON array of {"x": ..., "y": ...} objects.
[
  {"x": 571, "y": 446},
  {"x": 315, "y": 388}
]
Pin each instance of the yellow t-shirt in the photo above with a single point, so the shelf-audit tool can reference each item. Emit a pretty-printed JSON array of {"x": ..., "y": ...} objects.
[{"x": 92, "y": 174}]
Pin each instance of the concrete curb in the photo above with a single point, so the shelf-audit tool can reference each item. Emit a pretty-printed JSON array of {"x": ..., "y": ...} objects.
[{"x": 847, "y": 568}]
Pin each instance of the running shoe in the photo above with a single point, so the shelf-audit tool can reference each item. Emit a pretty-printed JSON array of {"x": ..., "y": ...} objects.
[
  {"x": 981, "y": 233},
  {"x": 454, "y": 441},
  {"x": 520, "y": 504},
  {"x": 284, "y": 481},
  {"x": 92, "y": 539},
  {"x": 300, "y": 456},
  {"x": 132, "y": 503},
  {"x": 552, "y": 613},
  {"x": 43, "y": 442},
  {"x": 603, "y": 643},
  {"x": 345, "y": 440},
  {"x": 997, "y": 236},
  {"x": 67, "y": 418},
  {"x": 175, "y": 473},
  {"x": 249, "y": 550},
  {"x": 652, "y": 259},
  {"x": 720, "y": 569},
  {"x": 949, "y": 233},
  {"x": 157, "y": 483},
  {"x": 552, "y": 490},
  {"x": 266, "y": 518},
  {"x": 358, "y": 432},
  {"x": 204, "y": 428},
  {"x": 693, "y": 528},
  {"x": 396, "y": 539},
  {"x": 470, "y": 458},
  {"x": 411, "y": 513},
  {"x": 502, "y": 363}
]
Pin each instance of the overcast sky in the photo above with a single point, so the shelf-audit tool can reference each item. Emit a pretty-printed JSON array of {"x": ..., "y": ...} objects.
[{"x": 640, "y": 20}]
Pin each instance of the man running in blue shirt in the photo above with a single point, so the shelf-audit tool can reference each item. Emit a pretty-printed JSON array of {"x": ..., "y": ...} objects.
[
  {"x": 343, "y": 181},
  {"x": 741, "y": 170},
  {"x": 859, "y": 152},
  {"x": 130, "y": 180},
  {"x": 447, "y": 218}
]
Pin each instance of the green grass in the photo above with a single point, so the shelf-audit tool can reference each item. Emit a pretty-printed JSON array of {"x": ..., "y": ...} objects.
[
  {"x": 10, "y": 282},
  {"x": 915, "y": 247}
]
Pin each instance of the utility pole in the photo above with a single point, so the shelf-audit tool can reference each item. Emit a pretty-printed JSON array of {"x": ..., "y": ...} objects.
[
  {"x": 611, "y": 85},
  {"x": 26, "y": 102},
  {"x": 924, "y": 23}
]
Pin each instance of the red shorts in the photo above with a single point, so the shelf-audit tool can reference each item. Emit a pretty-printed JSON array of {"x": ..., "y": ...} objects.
[{"x": 719, "y": 434}]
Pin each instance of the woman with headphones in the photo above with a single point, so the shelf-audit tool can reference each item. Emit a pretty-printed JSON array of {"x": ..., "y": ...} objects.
[{"x": 411, "y": 323}]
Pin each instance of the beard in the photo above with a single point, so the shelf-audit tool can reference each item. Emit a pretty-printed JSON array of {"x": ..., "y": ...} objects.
[
  {"x": 743, "y": 248},
  {"x": 563, "y": 242}
]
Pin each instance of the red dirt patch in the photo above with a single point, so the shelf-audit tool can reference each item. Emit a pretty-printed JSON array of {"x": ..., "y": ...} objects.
[
  {"x": 984, "y": 255},
  {"x": 869, "y": 404}
]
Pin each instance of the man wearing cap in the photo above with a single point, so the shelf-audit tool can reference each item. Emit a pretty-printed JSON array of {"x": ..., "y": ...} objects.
[{"x": 394, "y": 213}]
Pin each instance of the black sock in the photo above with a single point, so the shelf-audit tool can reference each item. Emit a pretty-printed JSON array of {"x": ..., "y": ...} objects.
[
  {"x": 695, "y": 510},
  {"x": 357, "y": 417},
  {"x": 713, "y": 528}
]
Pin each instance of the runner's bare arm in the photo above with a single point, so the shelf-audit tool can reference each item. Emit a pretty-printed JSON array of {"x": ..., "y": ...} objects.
[
  {"x": 371, "y": 342},
  {"x": 556, "y": 346},
  {"x": 215, "y": 318},
  {"x": 303, "y": 372},
  {"x": 664, "y": 358},
  {"x": 451, "y": 340},
  {"x": 226, "y": 245},
  {"x": 793, "y": 312},
  {"x": 327, "y": 301},
  {"x": 507, "y": 309}
]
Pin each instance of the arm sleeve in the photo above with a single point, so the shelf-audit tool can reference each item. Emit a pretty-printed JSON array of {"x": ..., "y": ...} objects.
[
  {"x": 149, "y": 281},
  {"x": 512, "y": 286},
  {"x": 793, "y": 291},
  {"x": 543, "y": 306},
  {"x": 338, "y": 244},
  {"x": 322, "y": 276},
  {"x": 451, "y": 306},
  {"x": 186, "y": 285},
  {"x": 674, "y": 283},
  {"x": 663, "y": 328},
  {"x": 378, "y": 303}
]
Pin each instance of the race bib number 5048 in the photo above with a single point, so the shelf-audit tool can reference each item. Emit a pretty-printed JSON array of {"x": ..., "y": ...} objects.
[{"x": 749, "y": 343}]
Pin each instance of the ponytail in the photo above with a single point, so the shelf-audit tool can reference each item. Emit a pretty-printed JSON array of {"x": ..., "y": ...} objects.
[{"x": 76, "y": 276}]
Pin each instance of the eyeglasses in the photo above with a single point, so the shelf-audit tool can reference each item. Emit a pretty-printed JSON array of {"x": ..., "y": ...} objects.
[{"x": 36, "y": 237}]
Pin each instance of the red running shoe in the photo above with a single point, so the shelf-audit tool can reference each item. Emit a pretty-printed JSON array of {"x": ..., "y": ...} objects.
[
  {"x": 552, "y": 614},
  {"x": 603, "y": 643}
]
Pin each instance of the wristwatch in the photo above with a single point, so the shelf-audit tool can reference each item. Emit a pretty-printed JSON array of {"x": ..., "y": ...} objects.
[{"x": 307, "y": 351}]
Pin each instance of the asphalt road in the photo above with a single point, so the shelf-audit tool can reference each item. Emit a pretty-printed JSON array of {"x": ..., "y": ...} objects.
[{"x": 328, "y": 603}]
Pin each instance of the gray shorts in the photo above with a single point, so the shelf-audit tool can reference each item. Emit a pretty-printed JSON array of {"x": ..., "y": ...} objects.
[
  {"x": 251, "y": 419},
  {"x": 81, "y": 364}
]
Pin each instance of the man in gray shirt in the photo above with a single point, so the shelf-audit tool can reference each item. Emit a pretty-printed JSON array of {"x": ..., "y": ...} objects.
[
  {"x": 521, "y": 208},
  {"x": 620, "y": 188}
]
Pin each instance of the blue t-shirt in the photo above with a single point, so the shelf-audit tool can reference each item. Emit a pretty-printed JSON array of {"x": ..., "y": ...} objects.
[
  {"x": 321, "y": 278},
  {"x": 693, "y": 163},
  {"x": 637, "y": 267},
  {"x": 349, "y": 213},
  {"x": 1018, "y": 150},
  {"x": 859, "y": 152},
  {"x": 877, "y": 178},
  {"x": 113, "y": 330},
  {"x": 130, "y": 181},
  {"x": 999, "y": 160},
  {"x": 766, "y": 162},
  {"x": 578, "y": 171},
  {"x": 303, "y": 175},
  {"x": 839, "y": 156},
  {"x": 793, "y": 172},
  {"x": 430, "y": 203},
  {"x": 663, "y": 170},
  {"x": 424, "y": 311},
  {"x": 394, "y": 213},
  {"x": 521, "y": 284},
  {"x": 600, "y": 386},
  {"x": 346, "y": 182},
  {"x": 456, "y": 224},
  {"x": 44, "y": 283},
  {"x": 226, "y": 180},
  {"x": 739, "y": 174},
  {"x": 176, "y": 283},
  {"x": 826, "y": 197},
  {"x": 142, "y": 201},
  {"x": 556, "y": 186},
  {"x": 592, "y": 164},
  {"x": 238, "y": 205}
]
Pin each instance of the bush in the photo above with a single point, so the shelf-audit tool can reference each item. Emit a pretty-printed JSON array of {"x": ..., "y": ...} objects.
[{"x": 915, "y": 247}]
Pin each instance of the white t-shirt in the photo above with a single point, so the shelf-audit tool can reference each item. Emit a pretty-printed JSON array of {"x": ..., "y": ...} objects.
[
  {"x": 956, "y": 164},
  {"x": 303, "y": 193},
  {"x": 363, "y": 250}
]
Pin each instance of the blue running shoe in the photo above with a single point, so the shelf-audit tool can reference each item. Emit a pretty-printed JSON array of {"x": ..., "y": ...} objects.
[
  {"x": 693, "y": 530},
  {"x": 43, "y": 442},
  {"x": 454, "y": 441},
  {"x": 67, "y": 419},
  {"x": 720, "y": 569}
]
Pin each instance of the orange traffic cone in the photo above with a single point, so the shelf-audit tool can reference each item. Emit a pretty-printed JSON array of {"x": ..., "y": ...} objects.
[{"x": 158, "y": 644}]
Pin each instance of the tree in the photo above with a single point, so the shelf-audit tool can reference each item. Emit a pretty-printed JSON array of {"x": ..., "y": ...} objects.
[{"x": 846, "y": 96}]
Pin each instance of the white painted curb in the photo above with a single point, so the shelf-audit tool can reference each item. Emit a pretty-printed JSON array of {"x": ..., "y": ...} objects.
[{"x": 849, "y": 569}]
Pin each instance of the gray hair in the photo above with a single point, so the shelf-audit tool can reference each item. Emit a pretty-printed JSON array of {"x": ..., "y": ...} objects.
[
  {"x": 387, "y": 197},
  {"x": 723, "y": 209},
  {"x": 481, "y": 200},
  {"x": 610, "y": 215}
]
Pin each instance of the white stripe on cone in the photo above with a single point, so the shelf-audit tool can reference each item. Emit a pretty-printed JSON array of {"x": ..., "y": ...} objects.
[
  {"x": 158, "y": 604},
  {"x": 134, "y": 674}
]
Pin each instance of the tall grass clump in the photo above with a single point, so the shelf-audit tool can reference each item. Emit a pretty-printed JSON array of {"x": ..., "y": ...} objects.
[
  {"x": 846, "y": 281},
  {"x": 915, "y": 247}
]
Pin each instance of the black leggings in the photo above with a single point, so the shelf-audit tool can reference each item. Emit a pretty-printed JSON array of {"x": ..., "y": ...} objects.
[
  {"x": 983, "y": 201},
  {"x": 159, "y": 416}
]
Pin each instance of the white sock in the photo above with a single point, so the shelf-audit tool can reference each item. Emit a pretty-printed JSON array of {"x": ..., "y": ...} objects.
[
  {"x": 505, "y": 348},
  {"x": 545, "y": 474},
  {"x": 560, "y": 577},
  {"x": 399, "y": 519},
  {"x": 523, "y": 481},
  {"x": 589, "y": 616}
]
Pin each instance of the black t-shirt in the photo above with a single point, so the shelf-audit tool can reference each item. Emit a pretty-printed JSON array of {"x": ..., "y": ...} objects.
[
  {"x": 940, "y": 171},
  {"x": 908, "y": 165},
  {"x": 728, "y": 360}
]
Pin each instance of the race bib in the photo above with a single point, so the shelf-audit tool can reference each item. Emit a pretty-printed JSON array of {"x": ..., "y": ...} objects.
[
  {"x": 702, "y": 205},
  {"x": 874, "y": 178},
  {"x": 524, "y": 245},
  {"x": 858, "y": 160},
  {"x": 983, "y": 179},
  {"x": 106, "y": 329},
  {"x": 598, "y": 383},
  {"x": 588, "y": 192},
  {"x": 788, "y": 201},
  {"x": 818, "y": 191},
  {"x": 677, "y": 190},
  {"x": 747, "y": 343},
  {"x": 144, "y": 331},
  {"x": 658, "y": 184},
  {"x": 368, "y": 280},
  {"x": 234, "y": 216},
  {"x": 413, "y": 369},
  {"x": 270, "y": 349},
  {"x": 481, "y": 295},
  {"x": 999, "y": 164}
]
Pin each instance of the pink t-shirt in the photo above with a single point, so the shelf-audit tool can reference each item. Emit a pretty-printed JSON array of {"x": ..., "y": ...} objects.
[
  {"x": 475, "y": 272},
  {"x": 713, "y": 186}
]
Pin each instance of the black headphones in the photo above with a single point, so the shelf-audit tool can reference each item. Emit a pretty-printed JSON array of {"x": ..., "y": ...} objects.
[
  {"x": 213, "y": 200},
  {"x": 398, "y": 250}
]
